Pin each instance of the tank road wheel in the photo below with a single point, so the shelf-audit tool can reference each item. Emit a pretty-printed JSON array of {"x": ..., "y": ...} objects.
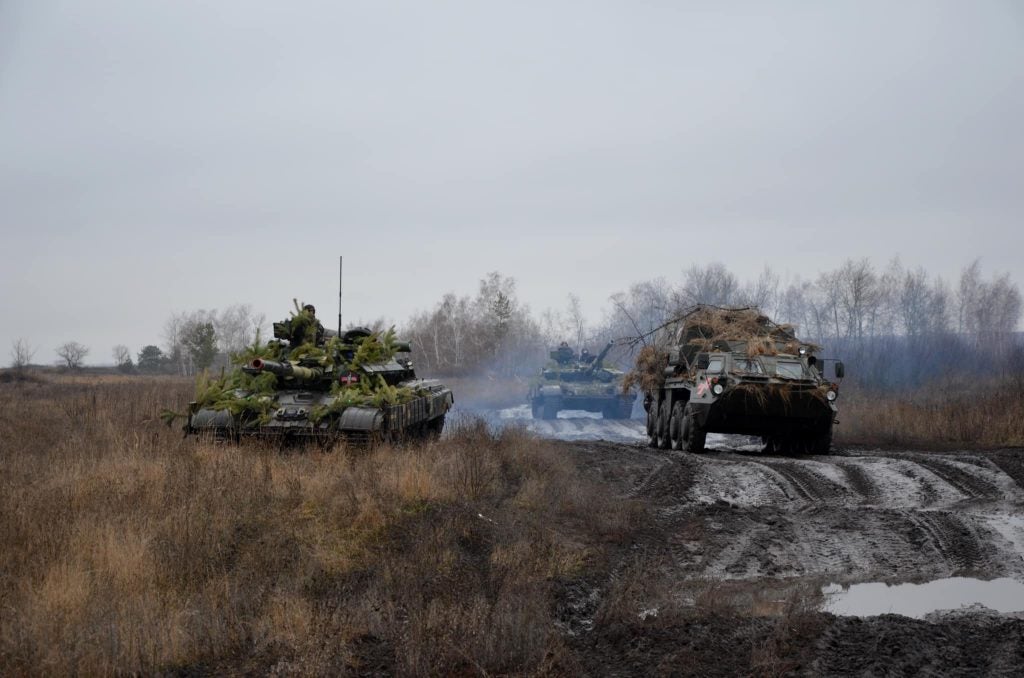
[
  {"x": 434, "y": 428},
  {"x": 693, "y": 435},
  {"x": 664, "y": 419}
]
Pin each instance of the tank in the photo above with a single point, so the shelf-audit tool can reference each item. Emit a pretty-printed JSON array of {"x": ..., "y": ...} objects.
[
  {"x": 579, "y": 382},
  {"x": 733, "y": 370},
  {"x": 308, "y": 384}
]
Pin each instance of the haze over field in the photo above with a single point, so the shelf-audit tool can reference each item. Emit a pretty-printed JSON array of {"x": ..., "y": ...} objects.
[{"x": 177, "y": 156}]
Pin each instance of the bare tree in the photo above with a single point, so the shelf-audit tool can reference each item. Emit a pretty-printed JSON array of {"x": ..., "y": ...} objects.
[
  {"x": 72, "y": 353},
  {"x": 711, "y": 284},
  {"x": 122, "y": 356},
  {"x": 237, "y": 326},
  {"x": 21, "y": 354},
  {"x": 763, "y": 293},
  {"x": 577, "y": 322}
]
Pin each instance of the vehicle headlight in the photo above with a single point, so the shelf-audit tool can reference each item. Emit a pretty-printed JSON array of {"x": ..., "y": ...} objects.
[
  {"x": 831, "y": 395},
  {"x": 717, "y": 389}
]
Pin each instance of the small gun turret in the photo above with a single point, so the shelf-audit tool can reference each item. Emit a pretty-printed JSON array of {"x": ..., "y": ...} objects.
[{"x": 285, "y": 369}]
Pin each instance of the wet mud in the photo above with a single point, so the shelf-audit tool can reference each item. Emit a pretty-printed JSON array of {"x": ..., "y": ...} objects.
[{"x": 736, "y": 546}]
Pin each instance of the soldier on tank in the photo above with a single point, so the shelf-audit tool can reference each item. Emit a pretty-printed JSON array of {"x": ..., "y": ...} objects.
[
  {"x": 564, "y": 354},
  {"x": 586, "y": 357},
  {"x": 306, "y": 329}
]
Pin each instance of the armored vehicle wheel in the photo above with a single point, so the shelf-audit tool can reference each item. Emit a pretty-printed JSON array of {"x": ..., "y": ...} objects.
[
  {"x": 537, "y": 410},
  {"x": 551, "y": 407},
  {"x": 664, "y": 419},
  {"x": 822, "y": 443},
  {"x": 626, "y": 410},
  {"x": 675, "y": 426},
  {"x": 694, "y": 437},
  {"x": 652, "y": 427}
]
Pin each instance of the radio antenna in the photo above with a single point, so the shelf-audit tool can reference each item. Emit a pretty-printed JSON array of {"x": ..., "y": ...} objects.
[{"x": 339, "y": 295}]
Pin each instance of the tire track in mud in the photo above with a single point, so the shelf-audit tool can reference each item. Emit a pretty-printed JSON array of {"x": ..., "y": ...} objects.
[
  {"x": 954, "y": 540},
  {"x": 852, "y": 517},
  {"x": 979, "y": 484}
]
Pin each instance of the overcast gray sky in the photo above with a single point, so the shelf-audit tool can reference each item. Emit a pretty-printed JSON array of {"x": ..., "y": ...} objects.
[{"x": 168, "y": 156}]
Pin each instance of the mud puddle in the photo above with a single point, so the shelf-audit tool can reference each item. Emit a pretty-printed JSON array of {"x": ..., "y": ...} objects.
[{"x": 1003, "y": 595}]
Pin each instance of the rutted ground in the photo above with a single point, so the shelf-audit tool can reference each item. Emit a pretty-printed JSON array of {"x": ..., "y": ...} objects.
[
  {"x": 851, "y": 516},
  {"x": 745, "y": 519}
]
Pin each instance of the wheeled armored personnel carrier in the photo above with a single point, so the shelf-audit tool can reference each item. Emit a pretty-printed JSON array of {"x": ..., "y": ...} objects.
[
  {"x": 579, "y": 382},
  {"x": 310, "y": 384},
  {"x": 732, "y": 370}
]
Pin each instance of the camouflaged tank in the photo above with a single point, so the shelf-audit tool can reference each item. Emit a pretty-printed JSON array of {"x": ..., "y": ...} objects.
[
  {"x": 311, "y": 384},
  {"x": 732, "y": 370},
  {"x": 579, "y": 382}
]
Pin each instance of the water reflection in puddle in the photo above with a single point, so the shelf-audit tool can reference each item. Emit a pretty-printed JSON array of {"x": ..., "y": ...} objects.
[{"x": 917, "y": 600}]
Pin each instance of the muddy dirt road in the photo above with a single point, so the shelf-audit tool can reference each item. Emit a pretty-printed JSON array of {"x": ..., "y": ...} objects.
[{"x": 759, "y": 532}]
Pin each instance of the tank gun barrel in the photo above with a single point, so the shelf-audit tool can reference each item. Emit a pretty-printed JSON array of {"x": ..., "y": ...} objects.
[
  {"x": 600, "y": 356},
  {"x": 286, "y": 369}
]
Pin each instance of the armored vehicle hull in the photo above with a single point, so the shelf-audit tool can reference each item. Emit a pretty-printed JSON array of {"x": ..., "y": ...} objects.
[
  {"x": 292, "y": 416},
  {"x": 733, "y": 371},
  {"x": 579, "y": 383},
  {"x": 547, "y": 401}
]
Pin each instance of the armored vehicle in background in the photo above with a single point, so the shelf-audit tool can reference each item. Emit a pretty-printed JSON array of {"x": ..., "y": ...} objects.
[
  {"x": 717, "y": 370},
  {"x": 583, "y": 382},
  {"x": 311, "y": 384}
]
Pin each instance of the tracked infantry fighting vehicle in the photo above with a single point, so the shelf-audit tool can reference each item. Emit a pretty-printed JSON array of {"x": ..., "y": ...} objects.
[
  {"x": 583, "y": 382},
  {"x": 311, "y": 384},
  {"x": 717, "y": 370}
]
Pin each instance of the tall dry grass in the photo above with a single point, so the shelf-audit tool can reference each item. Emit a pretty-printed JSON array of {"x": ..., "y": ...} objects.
[
  {"x": 128, "y": 549},
  {"x": 960, "y": 412}
]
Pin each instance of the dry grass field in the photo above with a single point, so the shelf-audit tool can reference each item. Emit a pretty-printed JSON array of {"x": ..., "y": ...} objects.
[
  {"x": 127, "y": 549},
  {"x": 954, "y": 413}
]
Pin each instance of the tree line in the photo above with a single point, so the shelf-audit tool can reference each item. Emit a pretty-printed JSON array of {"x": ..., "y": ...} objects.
[
  {"x": 892, "y": 325},
  {"x": 193, "y": 341}
]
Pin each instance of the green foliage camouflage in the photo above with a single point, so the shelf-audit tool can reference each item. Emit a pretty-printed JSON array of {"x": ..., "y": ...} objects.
[{"x": 250, "y": 397}]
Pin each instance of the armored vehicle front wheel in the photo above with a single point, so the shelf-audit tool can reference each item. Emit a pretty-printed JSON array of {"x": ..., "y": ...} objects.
[
  {"x": 537, "y": 410},
  {"x": 694, "y": 437},
  {"x": 664, "y": 419},
  {"x": 822, "y": 443}
]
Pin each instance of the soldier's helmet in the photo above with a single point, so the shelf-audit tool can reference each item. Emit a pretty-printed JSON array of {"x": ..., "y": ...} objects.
[{"x": 310, "y": 308}]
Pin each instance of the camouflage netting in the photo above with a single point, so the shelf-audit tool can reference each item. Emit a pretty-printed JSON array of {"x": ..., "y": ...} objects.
[
  {"x": 648, "y": 374},
  {"x": 709, "y": 328}
]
